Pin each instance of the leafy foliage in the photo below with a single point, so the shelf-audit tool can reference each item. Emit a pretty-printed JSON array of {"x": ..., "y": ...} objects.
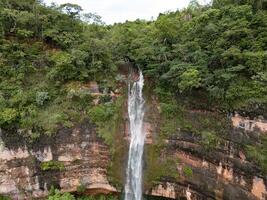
[
  {"x": 81, "y": 188},
  {"x": 209, "y": 140},
  {"x": 41, "y": 97},
  {"x": 200, "y": 48},
  {"x": 4, "y": 198},
  {"x": 106, "y": 117},
  {"x": 258, "y": 153},
  {"x": 100, "y": 197},
  {"x": 52, "y": 165},
  {"x": 42, "y": 51},
  {"x": 101, "y": 113},
  {"x": 8, "y": 115},
  {"x": 219, "y": 49},
  {"x": 48, "y": 55},
  {"x": 56, "y": 195},
  {"x": 61, "y": 196},
  {"x": 188, "y": 171}
]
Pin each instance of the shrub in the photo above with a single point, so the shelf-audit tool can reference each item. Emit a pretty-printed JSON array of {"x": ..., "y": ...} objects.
[
  {"x": 50, "y": 119},
  {"x": 105, "y": 99},
  {"x": 2, "y": 101},
  {"x": 22, "y": 33},
  {"x": 81, "y": 188},
  {"x": 257, "y": 153},
  {"x": 52, "y": 165},
  {"x": 101, "y": 113},
  {"x": 188, "y": 171},
  {"x": 8, "y": 116},
  {"x": 189, "y": 79},
  {"x": 61, "y": 196},
  {"x": 41, "y": 97},
  {"x": 100, "y": 197},
  {"x": 169, "y": 110},
  {"x": 209, "y": 140}
]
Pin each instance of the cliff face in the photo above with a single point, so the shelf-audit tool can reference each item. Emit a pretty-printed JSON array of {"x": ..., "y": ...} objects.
[
  {"x": 83, "y": 156},
  {"x": 176, "y": 163},
  {"x": 222, "y": 172}
]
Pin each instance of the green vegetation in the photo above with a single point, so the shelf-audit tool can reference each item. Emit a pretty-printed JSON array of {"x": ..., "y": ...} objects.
[
  {"x": 4, "y": 197},
  {"x": 52, "y": 165},
  {"x": 81, "y": 188},
  {"x": 45, "y": 50},
  {"x": 177, "y": 118},
  {"x": 159, "y": 164},
  {"x": 258, "y": 153},
  {"x": 101, "y": 197},
  {"x": 47, "y": 57},
  {"x": 113, "y": 130},
  {"x": 106, "y": 116},
  {"x": 102, "y": 113},
  {"x": 201, "y": 48},
  {"x": 218, "y": 49},
  {"x": 56, "y": 195},
  {"x": 188, "y": 171},
  {"x": 209, "y": 140},
  {"x": 61, "y": 196},
  {"x": 212, "y": 57}
]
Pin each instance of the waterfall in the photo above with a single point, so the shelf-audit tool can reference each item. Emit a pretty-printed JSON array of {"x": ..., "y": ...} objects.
[{"x": 133, "y": 187}]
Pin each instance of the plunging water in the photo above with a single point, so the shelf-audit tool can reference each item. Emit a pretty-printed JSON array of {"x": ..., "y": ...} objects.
[{"x": 133, "y": 187}]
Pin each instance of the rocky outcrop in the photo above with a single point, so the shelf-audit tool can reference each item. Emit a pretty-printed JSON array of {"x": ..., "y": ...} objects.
[
  {"x": 249, "y": 125},
  {"x": 82, "y": 154}
]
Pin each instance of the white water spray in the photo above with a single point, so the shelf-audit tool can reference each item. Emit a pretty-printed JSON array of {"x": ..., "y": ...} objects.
[{"x": 133, "y": 187}]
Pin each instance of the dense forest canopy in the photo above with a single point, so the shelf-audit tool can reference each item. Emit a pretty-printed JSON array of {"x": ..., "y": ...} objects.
[
  {"x": 219, "y": 49},
  {"x": 45, "y": 52},
  {"x": 217, "y": 52}
]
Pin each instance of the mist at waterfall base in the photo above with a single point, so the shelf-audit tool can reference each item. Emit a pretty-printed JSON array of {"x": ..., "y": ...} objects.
[{"x": 133, "y": 186}]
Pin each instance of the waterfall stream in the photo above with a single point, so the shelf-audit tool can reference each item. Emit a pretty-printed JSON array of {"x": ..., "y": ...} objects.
[{"x": 133, "y": 187}]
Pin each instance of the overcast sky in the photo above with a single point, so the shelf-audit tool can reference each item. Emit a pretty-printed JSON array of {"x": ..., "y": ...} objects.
[{"x": 122, "y": 10}]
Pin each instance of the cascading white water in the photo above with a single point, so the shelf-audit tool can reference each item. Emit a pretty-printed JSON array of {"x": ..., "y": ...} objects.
[{"x": 133, "y": 187}]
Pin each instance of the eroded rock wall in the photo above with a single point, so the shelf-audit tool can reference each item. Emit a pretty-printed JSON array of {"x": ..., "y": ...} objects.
[
  {"x": 85, "y": 158},
  {"x": 220, "y": 173}
]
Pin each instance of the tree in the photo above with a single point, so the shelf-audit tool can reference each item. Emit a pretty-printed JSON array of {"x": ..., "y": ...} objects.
[
  {"x": 189, "y": 79},
  {"x": 73, "y": 10},
  {"x": 92, "y": 18}
]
